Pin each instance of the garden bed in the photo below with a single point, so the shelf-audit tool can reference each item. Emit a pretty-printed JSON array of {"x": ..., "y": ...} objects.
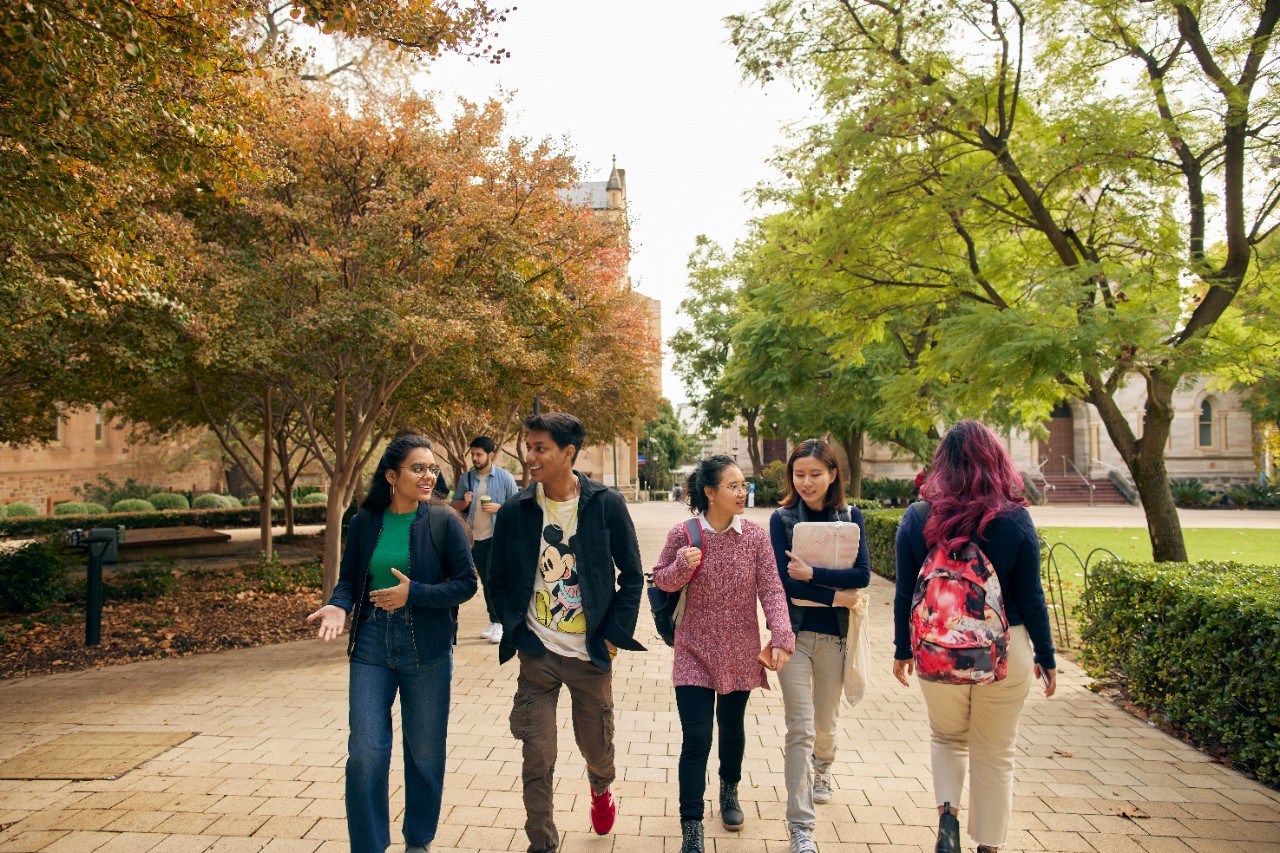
[{"x": 171, "y": 609}]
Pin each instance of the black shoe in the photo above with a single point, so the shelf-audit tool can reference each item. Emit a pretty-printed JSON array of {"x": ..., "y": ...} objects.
[
  {"x": 691, "y": 836},
  {"x": 948, "y": 831},
  {"x": 730, "y": 812}
]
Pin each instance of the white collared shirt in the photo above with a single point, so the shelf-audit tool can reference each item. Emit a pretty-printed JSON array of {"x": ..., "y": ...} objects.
[{"x": 735, "y": 525}]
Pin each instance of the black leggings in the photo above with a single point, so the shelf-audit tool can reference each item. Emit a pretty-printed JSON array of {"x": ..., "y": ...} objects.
[{"x": 697, "y": 706}]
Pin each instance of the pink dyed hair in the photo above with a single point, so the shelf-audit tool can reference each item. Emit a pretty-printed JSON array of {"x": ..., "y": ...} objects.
[{"x": 972, "y": 480}]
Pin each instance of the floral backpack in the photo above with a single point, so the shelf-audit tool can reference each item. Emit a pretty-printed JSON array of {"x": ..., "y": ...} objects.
[{"x": 959, "y": 632}]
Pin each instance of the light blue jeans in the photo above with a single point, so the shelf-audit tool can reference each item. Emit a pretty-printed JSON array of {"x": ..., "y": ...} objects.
[
  {"x": 383, "y": 663},
  {"x": 812, "y": 684}
]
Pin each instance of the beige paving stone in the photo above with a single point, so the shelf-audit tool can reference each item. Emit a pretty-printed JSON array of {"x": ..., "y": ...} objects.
[{"x": 26, "y": 842}]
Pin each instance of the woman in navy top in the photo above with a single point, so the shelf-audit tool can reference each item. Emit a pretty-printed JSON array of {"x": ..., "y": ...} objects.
[
  {"x": 973, "y": 493},
  {"x": 402, "y": 589},
  {"x": 813, "y": 681}
]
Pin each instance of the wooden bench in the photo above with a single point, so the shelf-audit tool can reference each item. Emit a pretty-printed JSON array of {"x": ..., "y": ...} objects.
[{"x": 190, "y": 541}]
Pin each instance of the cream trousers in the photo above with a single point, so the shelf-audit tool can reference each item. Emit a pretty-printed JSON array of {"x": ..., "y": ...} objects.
[{"x": 975, "y": 728}]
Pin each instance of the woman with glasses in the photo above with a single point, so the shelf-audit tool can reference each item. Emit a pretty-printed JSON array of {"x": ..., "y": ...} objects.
[
  {"x": 718, "y": 660},
  {"x": 406, "y": 568},
  {"x": 819, "y": 602}
]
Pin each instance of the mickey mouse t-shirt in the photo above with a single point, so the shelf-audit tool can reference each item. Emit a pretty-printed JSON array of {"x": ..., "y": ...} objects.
[{"x": 555, "y": 612}]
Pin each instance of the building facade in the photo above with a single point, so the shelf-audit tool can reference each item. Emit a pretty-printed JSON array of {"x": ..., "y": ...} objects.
[
  {"x": 90, "y": 444},
  {"x": 616, "y": 463}
]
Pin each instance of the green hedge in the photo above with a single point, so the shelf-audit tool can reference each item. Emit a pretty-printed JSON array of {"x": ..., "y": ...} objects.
[
  {"x": 169, "y": 500},
  {"x": 1198, "y": 645},
  {"x": 240, "y": 517},
  {"x": 133, "y": 505},
  {"x": 14, "y": 510},
  {"x": 882, "y": 529}
]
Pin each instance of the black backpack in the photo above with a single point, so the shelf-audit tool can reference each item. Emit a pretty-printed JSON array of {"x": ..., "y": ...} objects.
[{"x": 666, "y": 604}]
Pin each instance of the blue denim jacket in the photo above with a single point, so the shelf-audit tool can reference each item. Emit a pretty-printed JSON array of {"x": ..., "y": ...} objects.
[{"x": 501, "y": 487}]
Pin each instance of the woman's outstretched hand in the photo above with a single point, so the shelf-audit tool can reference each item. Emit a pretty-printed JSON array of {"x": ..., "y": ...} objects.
[
  {"x": 332, "y": 619},
  {"x": 902, "y": 669}
]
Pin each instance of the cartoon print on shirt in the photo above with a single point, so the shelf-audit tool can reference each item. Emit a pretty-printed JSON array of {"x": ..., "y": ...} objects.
[{"x": 560, "y": 605}]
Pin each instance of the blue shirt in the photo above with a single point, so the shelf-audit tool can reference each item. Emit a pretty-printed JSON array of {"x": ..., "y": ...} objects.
[{"x": 501, "y": 487}]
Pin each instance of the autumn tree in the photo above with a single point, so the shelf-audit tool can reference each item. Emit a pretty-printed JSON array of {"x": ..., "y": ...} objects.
[
  {"x": 106, "y": 106},
  {"x": 1052, "y": 178}
]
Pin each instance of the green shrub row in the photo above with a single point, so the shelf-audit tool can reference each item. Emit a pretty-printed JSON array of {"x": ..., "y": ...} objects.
[
  {"x": 45, "y": 525},
  {"x": 1198, "y": 645},
  {"x": 169, "y": 500},
  {"x": 79, "y": 508},
  {"x": 16, "y": 509},
  {"x": 882, "y": 530},
  {"x": 209, "y": 500}
]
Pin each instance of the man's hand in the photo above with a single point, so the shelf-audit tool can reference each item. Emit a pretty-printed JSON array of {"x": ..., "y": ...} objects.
[
  {"x": 393, "y": 597},
  {"x": 466, "y": 499},
  {"x": 491, "y": 507},
  {"x": 332, "y": 619}
]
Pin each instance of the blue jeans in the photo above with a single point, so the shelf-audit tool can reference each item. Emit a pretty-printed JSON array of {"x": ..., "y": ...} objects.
[{"x": 384, "y": 660}]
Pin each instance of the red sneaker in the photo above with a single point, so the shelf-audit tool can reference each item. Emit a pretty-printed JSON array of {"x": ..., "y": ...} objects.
[{"x": 604, "y": 810}]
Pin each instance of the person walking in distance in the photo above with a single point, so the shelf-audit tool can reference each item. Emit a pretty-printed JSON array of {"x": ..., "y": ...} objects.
[
  {"x": 405, "y": 570},
  {"x": 566, "y": 579},
  {"x": 968, "y": 610},
  {"x": 718, "y": 659},
  {"x": 480, "y": 493},
  {"x": 812, "y": 683}
]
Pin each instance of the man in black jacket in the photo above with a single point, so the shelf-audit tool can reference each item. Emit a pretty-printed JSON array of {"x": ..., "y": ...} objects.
[{"x": 565, "y": 573}]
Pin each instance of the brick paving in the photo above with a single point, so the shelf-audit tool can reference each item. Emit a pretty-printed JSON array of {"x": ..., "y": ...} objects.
[{"x": 265, "y": 771}]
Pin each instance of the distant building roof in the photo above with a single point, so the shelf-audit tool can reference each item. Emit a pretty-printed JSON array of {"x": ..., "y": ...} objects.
[{"x": 592, "y": 194}]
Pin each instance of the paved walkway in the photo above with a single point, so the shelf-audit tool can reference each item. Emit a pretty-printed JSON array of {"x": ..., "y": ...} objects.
[{"x": 264, "y": 771}]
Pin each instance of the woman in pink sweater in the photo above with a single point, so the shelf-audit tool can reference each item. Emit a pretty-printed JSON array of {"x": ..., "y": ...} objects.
[{"x": 718, "y": 639}]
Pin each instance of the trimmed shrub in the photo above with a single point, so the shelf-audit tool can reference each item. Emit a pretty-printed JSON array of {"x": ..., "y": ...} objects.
[
  {"x": 32, "y": 577},
  {"x": 70, "y": 508},
  {"x": 209, "y": 500},
  {"x": 133, "y": 505},
  {"x": 882, "y": 531},
  {"x": 865, "y": 504},
  {"x": 1198, "y": 645},
  {"x": 230, "y": 501},
  {"x": 94, "y": 509},
  {"x": 169, "y": 500},
  {"x": 43, "y": 525},
  {"x": 314, "y": 498},
  {"x": 771, "y": 484},
  {"x": 18, "y": 509}
]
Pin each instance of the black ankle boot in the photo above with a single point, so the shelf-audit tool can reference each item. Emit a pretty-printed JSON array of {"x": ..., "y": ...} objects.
[
  {"x": 730, "y": 812},
  {"x": 691, "y": 836},
  {"x": 948, "y": 831}
]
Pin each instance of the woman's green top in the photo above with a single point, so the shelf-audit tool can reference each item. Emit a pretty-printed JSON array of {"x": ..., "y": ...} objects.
[{"x": 392, "y": 551}]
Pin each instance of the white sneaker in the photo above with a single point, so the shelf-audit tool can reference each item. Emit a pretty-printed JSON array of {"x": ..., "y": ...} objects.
[
  {"x": 496, "y": 636},
  {"x": 488, "y": 632}
]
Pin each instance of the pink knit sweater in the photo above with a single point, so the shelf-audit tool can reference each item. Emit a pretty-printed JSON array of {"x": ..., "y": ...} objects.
[{"x": 719, "y": 637}]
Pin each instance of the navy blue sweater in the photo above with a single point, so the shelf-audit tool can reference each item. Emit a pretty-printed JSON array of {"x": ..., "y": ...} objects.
[
  {"x": 822, "y": 589},
  {"x": 1011, "y": 544}
]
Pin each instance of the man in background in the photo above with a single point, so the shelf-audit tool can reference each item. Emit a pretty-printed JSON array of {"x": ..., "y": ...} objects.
[{"x": 479, "y": 494}]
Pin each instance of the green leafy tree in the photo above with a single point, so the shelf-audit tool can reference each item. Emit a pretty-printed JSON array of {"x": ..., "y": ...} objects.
[
  {"x": 665, "y": 446},
  {"x": 1049, "y": 178},
  {"x": 703, "y": 351}
]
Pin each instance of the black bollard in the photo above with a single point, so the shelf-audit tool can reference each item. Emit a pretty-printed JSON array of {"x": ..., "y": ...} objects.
[{"x": 93, "y": 597}]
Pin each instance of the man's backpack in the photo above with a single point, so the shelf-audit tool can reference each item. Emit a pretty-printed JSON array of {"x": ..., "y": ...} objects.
[
  {"x": 668, "y": 607},
  {"x": 959, "y": 632}
]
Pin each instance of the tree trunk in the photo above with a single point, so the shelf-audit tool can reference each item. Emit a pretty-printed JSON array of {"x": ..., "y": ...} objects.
[
  {"x": 1144, "y": 458},
  {"x": 753, "y": 439},
  {"x": 268, "y": 477},
  {"x": 853, "y": 450},
  {"x": 337, "y": 486}
]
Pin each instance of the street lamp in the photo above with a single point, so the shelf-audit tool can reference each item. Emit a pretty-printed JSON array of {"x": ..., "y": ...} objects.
[{"x": 735, "y": 453}]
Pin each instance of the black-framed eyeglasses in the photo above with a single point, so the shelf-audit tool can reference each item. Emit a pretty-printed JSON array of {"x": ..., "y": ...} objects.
[{"x": 420, "y": 470}]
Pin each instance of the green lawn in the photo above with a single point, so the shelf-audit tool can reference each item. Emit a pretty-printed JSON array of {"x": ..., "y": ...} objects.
[{"x": 1129, "y": 543}]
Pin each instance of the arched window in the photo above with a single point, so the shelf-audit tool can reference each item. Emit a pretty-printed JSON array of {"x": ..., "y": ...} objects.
[{"x": 1204, "y": 433}]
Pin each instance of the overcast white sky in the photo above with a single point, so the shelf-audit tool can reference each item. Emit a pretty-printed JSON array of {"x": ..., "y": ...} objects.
[{"x": 654, "y": 83}]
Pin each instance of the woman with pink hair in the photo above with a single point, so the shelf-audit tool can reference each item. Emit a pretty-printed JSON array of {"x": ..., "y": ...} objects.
[{"x": 967, "y": 625}]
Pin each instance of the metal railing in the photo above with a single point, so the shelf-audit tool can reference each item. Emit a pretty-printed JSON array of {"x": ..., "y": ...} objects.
[
  {"x": 1119, "y": 477},
  {"x": 1051, "y": 572},
  {"x": 1080, "y": 474},
  {"x": 1041, "y": 481}
]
